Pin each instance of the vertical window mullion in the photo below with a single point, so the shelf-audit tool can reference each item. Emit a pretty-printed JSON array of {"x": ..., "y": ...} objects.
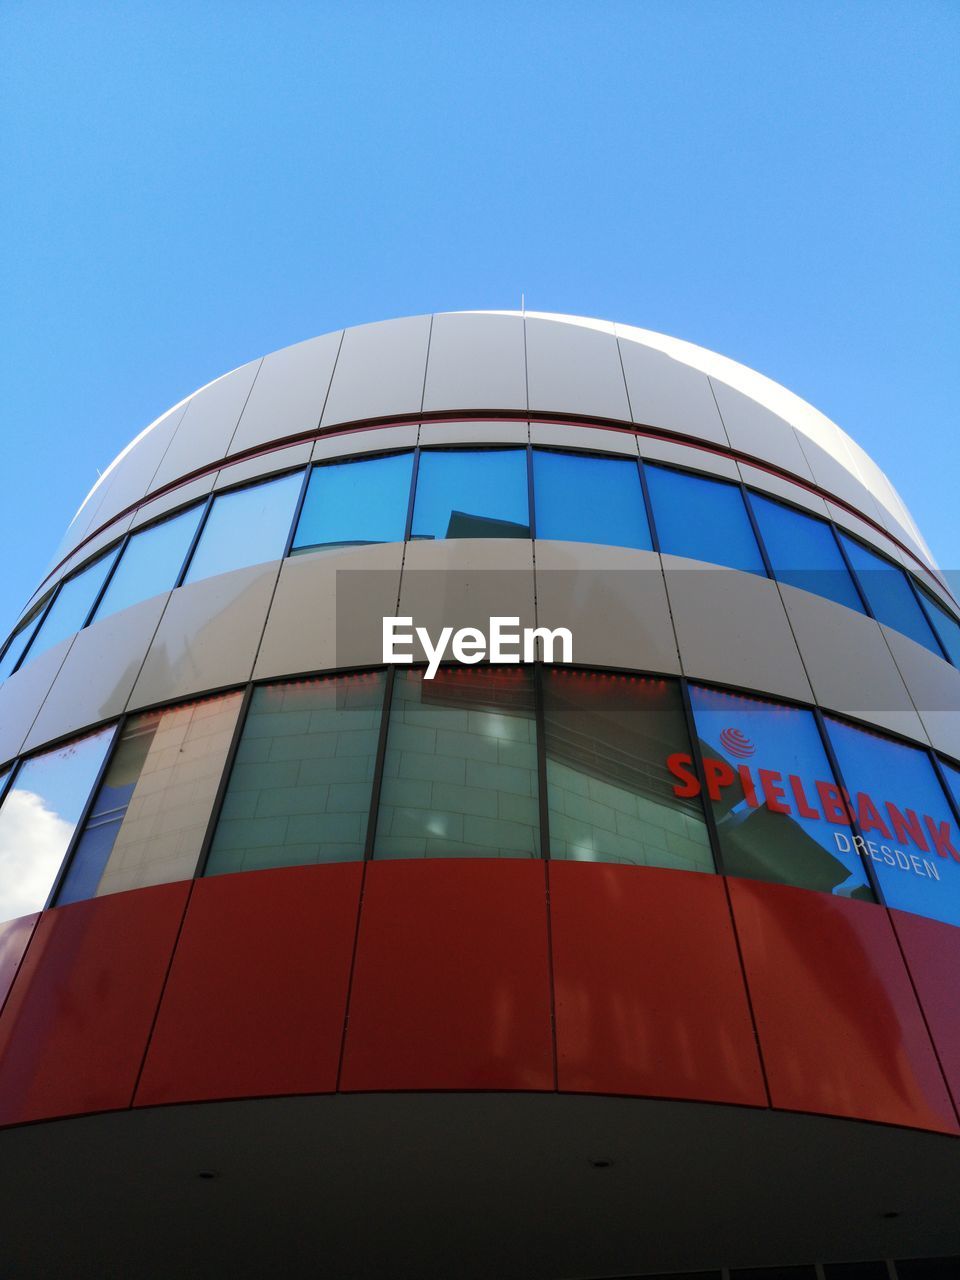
[
  {"x": 374, "y": 810},
  {"x": 648, "y": 505},
  {"x": 298, "y": 509},
  {"x": 198, "y": 534},
  {"x": 925, "y": 613},
  {"x": 850, "y": 569},
  {"x": 224, "y": 781},
  {"x": 85, "y": 813},
  {"x": 752, "y": 517},
  {"x": 531, "y": 494},
  {"x": 834, "y": 762},
  {"x": 41, "y": 619},
  {"x": 540, "y": 722},
  {"x": 414, "y": 472},
  {"x": 697, "y": 757},
  {"x": 92, "y": 611}
]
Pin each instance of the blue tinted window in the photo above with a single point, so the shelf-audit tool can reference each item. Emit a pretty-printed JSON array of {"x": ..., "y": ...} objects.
[
  {"x": 39, "y": 815},
  {"x": 779, "y": 812},
  {"x": 21, "y": 638},
  {"x": 353, "y": 503},
  {"x": 905, "y": 820},
  {"x": 472, "y": 493},
  {"x": 74, "y": 601},
  {"x": 889, "y": 593},
  {"x": 151, "y": 562},
  {"x": 945, "y": 625},
  {"x": 803, "y": 552},
  {"x": 246, "y": 526},
  {"x": 952, "y": 775},
  {"x": 586, "y": 499},
  {"x": 703, "y": 519}
]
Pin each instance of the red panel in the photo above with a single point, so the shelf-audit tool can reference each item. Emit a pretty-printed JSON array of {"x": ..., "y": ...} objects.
[
  {"x": 840, "y": 1029},
  {"x": 257, "y": 994},
  {"x": 649, "y": 989},
  {"x": 14, "y": 936},
  {"x": 932, "y": 951},
  {"x": 451, "y": 986},
  {"x": 75, "y": 1028}
]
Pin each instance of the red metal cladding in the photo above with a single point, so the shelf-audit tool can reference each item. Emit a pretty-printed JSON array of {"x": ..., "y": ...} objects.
[
  {"x": 932, "y": 951},
  {"x": 649, "y": 989},
  {"x": 257, "y": 994},
  {"x": 451, "y": 985},
  {"x": 840, "y": 1029},
  {"x": 75, "y": 1026},
  {"x": 14, "y": 936}
]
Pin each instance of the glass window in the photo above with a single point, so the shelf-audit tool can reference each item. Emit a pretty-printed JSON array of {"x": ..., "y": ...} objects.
[
  {"x": 803, "y": 552},
  {"x": 905, "y": 821},
  {"x": 351, "y": 504},
  {"x": 945, "y": 625},
  {"x": 151, "y": 562},
  {"x": 246, "y": 526},
  {"x": 39, "y": 815},
  {"x": 73, "y": 602},
  {"x": 580, "y": 498},
  {"x": 702, "y": 518},
  {"x": 148, "y": 821},
  {"x": 21, "y": 638},
  {"x": 780, "y": 815},
  {"x": 301, "y": 784},
  {"x": 472, "y": 493},
  {"x": 460, "y": 773},
  {"x": 608, "y": 741},
  {"x": 889, "y": 594}
]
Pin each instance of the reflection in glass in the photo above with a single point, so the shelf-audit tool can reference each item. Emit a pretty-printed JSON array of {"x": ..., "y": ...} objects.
[
  {"x": 945, "y": 625},
  {"x": 580, "y": 498},
  {"x": 703, "y": 519},
  {"x": 460, "y": 773},
  {"x": 74, "y": 601},
  {"x": 300, "y": 787},
  {"x": 803, "y": 552},
  {"x": 889, "y": 594},
  {"x": 353, "y": 503},
  {"x": 21, "y": 638},
  {"x": 472, "y": 493},
  {"x": 245, "y": 527},
  {"x": 148, "y": 821},
  {"x": 150, "y": 562},
  {"x": 39, "y": 815},
  {"x": 611, "y": 793},
  {"x": 780, "y": 815},
  {"x": 905, "y": 820}
]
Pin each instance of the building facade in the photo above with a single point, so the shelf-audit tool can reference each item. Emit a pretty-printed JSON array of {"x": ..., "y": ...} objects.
[{"x": 635, "y": 960}]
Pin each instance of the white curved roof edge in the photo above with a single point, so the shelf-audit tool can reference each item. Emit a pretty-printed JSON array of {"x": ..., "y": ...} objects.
[
  {"x": 765, "y": 391},
  {"x": 772, "y": 395}
]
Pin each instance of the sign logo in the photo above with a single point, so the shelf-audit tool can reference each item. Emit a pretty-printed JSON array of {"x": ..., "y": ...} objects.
[
  {"x": 737, "y": 743},
  {"x": 503, "y": 641}
]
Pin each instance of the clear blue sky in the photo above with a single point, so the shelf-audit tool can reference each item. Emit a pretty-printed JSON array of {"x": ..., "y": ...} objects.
[{"x": 188, "y": 186}]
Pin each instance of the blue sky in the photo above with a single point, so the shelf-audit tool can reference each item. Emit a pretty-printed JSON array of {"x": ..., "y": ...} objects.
[{"x": 190, "y": 186}]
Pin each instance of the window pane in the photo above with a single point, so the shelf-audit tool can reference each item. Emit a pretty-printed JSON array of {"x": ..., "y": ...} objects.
[
  {"x": 151, "y": 562},
  {"x": 703, "y": 519},
  {"x": 151, "y": 813},
  {"x": 302, "y": 780},
  {"x": 350, "y": 504},
  {"x": 804, "y": 552},
  {"x": 39, "y": 815},
  {"x": 905, "y": 820},
  {"x": 779, "y": 813},
  {"x": 889, "y": 594},
  {"x": 945, "y": 625},
  {"x": 580, "y": 498},
  {"x": 245, "y": 527},
  {"x": 611, "y": 793},
  {"x": 460, "y": 774},
  {"x": 21, "y": 638},
  {"x": 74, "y": 601},
  {"x": 472, "y": 493}
]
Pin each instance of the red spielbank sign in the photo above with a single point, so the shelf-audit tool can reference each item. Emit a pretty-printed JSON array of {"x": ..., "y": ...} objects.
[{"x": 823, "y": 802}]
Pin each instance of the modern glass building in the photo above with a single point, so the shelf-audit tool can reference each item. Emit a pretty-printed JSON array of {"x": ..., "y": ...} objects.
[{"x": 643, "y": 963}]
